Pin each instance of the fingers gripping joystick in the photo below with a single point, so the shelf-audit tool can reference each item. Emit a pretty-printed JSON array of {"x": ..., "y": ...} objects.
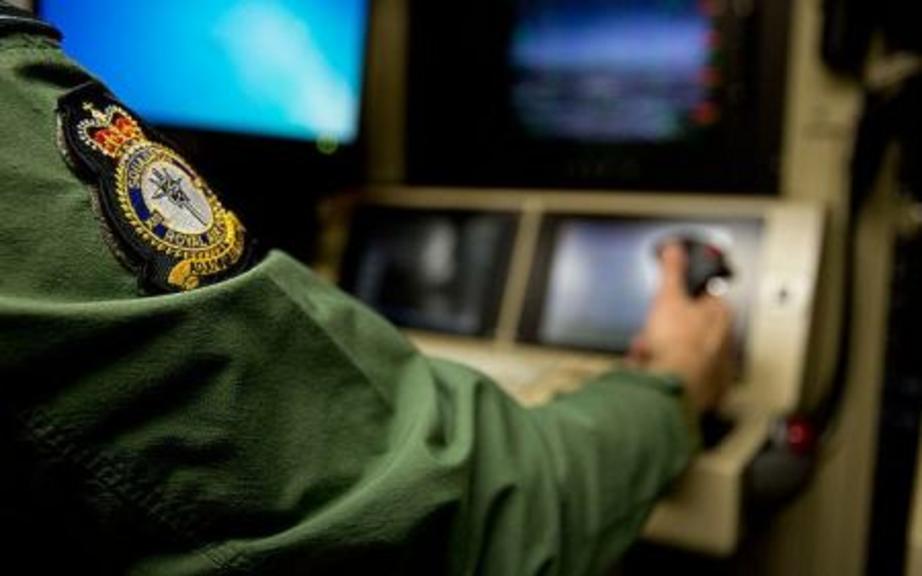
[
  {"x": 684, "y": 335},
  {"x": 706, "y": 270}
]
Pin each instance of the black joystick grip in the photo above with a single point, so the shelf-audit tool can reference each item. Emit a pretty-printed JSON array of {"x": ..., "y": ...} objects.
[{"x": 705, "y": 262}]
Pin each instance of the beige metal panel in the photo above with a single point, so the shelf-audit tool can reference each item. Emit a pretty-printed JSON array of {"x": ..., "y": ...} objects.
[
  {"x": 569, "y": 201},
  {"x": 384, "y": 118},
  {"x": 783, "y": 311},
  {"x": 520, "y": 266},
  {"x": 826, "y": 530},
  {"x": 703, "y": 512}
]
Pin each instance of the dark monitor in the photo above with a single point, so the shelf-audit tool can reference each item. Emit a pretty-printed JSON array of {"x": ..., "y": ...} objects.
[
  {"x": 637, "y": 94},
  {"x": 598, "y": 276},
  {"x": 441, "y": 271}
]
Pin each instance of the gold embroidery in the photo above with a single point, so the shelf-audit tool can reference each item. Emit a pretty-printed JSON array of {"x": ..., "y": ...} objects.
[{"x": 169, "y": 207}]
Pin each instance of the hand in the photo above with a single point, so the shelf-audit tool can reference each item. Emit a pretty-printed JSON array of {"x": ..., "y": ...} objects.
[{"x": 685, "y": 337}]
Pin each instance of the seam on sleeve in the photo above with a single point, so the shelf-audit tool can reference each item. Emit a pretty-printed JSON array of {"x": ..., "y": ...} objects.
[{"x": 293, "y": 298}]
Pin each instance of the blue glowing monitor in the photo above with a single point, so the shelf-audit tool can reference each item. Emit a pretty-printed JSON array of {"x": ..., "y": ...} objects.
[{"x": 290, "y": 69}]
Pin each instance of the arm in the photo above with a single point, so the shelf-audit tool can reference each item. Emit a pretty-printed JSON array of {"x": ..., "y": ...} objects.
[{"x": 270, "y": 424}]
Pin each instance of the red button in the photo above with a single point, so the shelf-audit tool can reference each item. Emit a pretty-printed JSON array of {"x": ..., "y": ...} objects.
[{"x": 800, "y": 435}]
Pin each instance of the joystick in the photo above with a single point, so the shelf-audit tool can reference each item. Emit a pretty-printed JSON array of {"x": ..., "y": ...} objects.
[{"x": 705, "y": 262}]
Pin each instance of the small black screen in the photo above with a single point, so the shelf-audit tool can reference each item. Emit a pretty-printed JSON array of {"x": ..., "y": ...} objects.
[{"x": 441, "y": 271}]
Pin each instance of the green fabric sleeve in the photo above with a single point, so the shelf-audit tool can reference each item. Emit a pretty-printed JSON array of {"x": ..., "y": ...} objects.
[{"x": 272, "y": 425}]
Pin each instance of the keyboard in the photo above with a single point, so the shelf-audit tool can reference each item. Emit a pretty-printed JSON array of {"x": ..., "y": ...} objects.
[{"x": 531, "y": 376}]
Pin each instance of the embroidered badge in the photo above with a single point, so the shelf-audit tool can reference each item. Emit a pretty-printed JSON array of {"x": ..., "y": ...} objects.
[{"x": 172, "y": 224}]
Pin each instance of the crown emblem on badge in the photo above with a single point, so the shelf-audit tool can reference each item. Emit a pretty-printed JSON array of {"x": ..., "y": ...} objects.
[{"x": 109, "y": 132}]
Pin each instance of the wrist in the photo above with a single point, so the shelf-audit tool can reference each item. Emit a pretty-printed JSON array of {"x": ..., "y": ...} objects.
[{"x": 676, "y": 385}]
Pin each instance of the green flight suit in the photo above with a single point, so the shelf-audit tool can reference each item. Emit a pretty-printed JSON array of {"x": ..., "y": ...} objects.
[{"x": 270, "y": 424}]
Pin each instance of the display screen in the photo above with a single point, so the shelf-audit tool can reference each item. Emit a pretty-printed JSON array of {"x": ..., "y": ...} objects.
[
  {"x": 602, "y": 275},
  {"x": 615, "y": 71},
  {"x": 435, "y": 271},
  {"x": 290, "y": 69}
]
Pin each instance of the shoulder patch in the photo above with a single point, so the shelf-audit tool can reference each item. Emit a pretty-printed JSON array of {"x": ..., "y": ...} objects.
[{"x": 167, "y": 221}]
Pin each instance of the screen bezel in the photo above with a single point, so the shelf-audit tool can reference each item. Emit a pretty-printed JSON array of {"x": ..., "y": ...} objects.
[
  {"x": 360, "y": 237},
  {"x": 452, "y": 76}
]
